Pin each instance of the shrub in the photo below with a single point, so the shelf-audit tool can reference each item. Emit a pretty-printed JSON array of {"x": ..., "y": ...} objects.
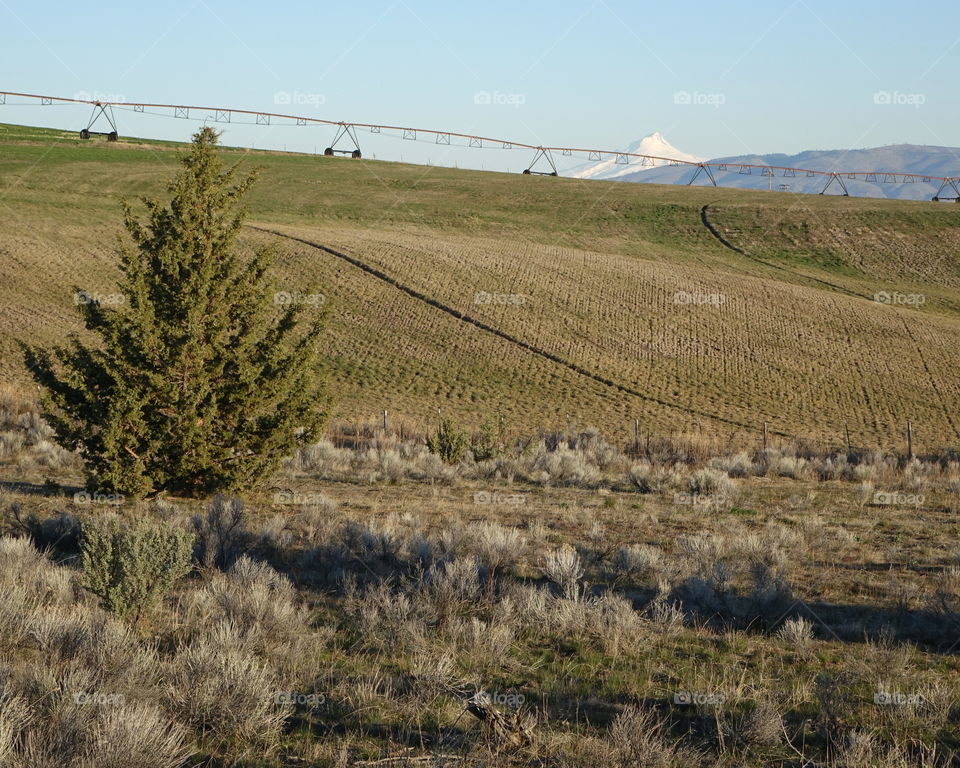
[
  {"x": 639, "y": 738},
  {"x": 11, "y": 443},
  {"x": 567, "y": 466},
  {"x": 563, "y": 568},
  {"x": 449, "y": 586},
  {"x": 27, "y": 580},
  {"x": 257, "y": 599},
  {"x": 136, "y": 734},
  {"x": 637, "y": 561},
  {"x": 495, "y": 546},
  {"x": 220, "y": 688},
  {"x": 737, "y": 465},
  {"x": 488, "y": 444},
  {"x": 46, "y": 725},
  {"x": 449, "y": 442},
  {"x": 763, "y": 726},
  {"x": 220, "y": 534},
  {"x": 793, "y": 467},
  {"x": 129, "y": 568},
  {"x": 642, "y": 477},
  {"x": 796, "y": 632},
  {"x": 710, "y": 482}
]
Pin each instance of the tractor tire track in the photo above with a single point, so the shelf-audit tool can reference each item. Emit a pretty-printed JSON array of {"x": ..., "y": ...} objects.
[
  {"x": 727, "y": 244},
  {"x": 531, "y": 348},
  {"x": 933, "y": 384}
]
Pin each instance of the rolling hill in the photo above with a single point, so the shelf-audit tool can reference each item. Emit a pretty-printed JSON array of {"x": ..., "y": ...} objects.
[{"x": 549, "y": 301}]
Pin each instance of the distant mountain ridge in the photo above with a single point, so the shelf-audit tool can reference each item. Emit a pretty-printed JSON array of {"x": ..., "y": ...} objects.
[{"x": 897, "y": 158}]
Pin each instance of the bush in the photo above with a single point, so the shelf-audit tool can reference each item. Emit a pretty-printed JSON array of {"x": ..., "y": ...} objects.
[
  {"x": 222, "y": 689},
  {"x": 796, "y": 632},
  {"x": 129, "y": 568},
  {"x": 496, "y": 547},
  {"x": 488, "y": 444},
  {"x": 710, "y": 482},
  {"x": 737, "y": 465},
  {"x": 563, "y": 568},
  {"x": 60, "y": 533},
  {"x": 449, "y": 442},
  {"x": 642, "y": 476},
  {"x": 48, "y": 727},
  {"x": 639, "y": 739},
  {"x": 138, "y": 734},
  {"x": 637, "y": 561},
  {"x": 220, "y": 534},
  {"x": 256, "y": 599}
]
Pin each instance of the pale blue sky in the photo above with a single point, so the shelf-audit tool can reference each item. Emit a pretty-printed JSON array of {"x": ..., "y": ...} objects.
[{"x": 762, "y": 76}]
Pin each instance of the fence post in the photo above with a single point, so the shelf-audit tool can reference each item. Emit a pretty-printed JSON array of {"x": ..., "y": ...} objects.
[
  {"x": 385, "y": 423},
  {"x": 764, "y": 435},
  {"x": 910, "y": 441}
]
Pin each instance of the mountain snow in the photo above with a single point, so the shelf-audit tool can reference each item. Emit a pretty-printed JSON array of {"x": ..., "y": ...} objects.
[{"x": 654, "y": 144}]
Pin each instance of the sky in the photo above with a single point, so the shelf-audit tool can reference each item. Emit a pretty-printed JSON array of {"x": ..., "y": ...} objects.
[{"x": 716, "y": 78}]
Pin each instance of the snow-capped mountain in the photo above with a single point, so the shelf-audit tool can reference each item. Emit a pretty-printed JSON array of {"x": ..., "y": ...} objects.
[
  {"x": 903, "y": 158},
  {"x": 654, "y": 145}
]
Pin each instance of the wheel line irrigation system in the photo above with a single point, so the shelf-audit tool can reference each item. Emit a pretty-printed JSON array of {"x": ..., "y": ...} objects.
[{"x": 542, "y": 164}]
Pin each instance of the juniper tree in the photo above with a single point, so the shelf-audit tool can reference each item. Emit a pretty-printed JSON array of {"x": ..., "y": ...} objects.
[{"x": 198, "y": 382}]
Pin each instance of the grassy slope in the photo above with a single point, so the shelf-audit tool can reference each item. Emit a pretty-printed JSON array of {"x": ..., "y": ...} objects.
[{"x": 797, "y": 343}]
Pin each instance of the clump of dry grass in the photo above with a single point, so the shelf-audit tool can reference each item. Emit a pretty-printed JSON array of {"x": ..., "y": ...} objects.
[
  {"x": 27, "y": 438},
  {"x": 421, "y": 611},
  {"x": 324, "y": 460},
  {"x": 221, "y": 534},
  {"x": 90, "y": 679},
  {"x": 639, "y": 737},
  {"x": 563, "y": 567},
  {"x": 710, "y": 482},
  {"x": 259, "y": 603},
  {"x": 11, "y": 443},
  {"x": 221, "y": 688},
  {"x": 652, "y": 478},
  {"x": 796, "y": 632},
  {"x": 763, "y": 725},
  {"x": 15, "y": 717},
  {"x": 794, "y": 467},
  {"x": 91, "y": 730},
  {"x": 137, "y": 734},
  {"x": 585, "y": 459},
  {"x": 637, "y": 563},
  {"x": 496, "y": 547},
  {"x": 736, "y": 465}
]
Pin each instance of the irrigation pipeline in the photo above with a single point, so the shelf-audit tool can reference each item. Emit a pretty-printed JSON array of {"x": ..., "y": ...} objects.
[{"x": 346, "y": 133}]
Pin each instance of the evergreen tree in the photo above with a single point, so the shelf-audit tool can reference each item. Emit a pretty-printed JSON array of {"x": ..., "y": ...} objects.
[{"x": 198, "y": 382}]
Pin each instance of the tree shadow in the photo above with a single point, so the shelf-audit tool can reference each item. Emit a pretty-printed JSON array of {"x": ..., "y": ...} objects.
[{"x": 47, "y": 490}]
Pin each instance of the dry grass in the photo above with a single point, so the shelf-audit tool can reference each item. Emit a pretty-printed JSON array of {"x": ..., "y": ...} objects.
[{"x": 425, "y": 597}]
